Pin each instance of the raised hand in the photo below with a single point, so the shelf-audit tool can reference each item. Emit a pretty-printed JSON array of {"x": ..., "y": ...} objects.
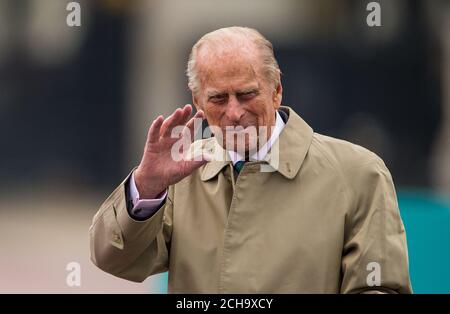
[{"x": 158, "y": 169}]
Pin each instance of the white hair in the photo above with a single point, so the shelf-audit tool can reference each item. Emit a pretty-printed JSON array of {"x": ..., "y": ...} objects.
[{"x": 235, "y": 35}]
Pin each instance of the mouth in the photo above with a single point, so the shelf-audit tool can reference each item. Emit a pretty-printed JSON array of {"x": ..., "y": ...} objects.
[{"x": 238, "y": 129}]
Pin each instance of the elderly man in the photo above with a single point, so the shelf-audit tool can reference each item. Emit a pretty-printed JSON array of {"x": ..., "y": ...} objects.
[{"x": 324, "y": 220}]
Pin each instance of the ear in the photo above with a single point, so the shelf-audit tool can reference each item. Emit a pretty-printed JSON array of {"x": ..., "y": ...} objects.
[{"x": 277, "y": 95}]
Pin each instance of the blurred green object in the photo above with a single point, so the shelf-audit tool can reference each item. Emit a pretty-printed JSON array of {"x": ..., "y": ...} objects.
[
  {"x": 427, "y": 222},
  {"x": 426, "y": 217}
]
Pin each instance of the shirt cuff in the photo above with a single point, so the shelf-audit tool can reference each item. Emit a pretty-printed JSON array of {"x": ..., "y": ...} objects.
[{"x": 144, "y": 208}]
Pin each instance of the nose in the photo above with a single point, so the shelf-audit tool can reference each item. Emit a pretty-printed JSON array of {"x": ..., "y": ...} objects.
[{"x": 234, "y": 110}]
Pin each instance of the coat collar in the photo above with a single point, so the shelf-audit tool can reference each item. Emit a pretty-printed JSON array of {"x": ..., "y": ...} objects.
[{"x": 287, "y": 153}]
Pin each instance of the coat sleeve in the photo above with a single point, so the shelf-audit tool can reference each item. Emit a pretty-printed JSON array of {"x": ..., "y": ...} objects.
[
  {"x": 375, "y": 255},
  {"x": 128, "y": 248}
]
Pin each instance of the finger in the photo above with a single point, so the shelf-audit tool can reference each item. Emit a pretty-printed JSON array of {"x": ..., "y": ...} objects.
[
  {"x": 187, "y": 110},
  {"x": 153, "y": 133},
  {"x": 169, "y": 122},
  {"x": 191, "y": 125},
  {"x": 186, "y": 113},
  {"x": 180, "y": 117}
]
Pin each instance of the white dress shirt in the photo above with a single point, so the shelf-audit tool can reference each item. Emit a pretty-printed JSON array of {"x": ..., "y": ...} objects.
[{"x": 144, "y": 208}]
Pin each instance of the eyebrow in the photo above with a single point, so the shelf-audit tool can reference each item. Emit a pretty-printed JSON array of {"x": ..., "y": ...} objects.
[
  {"x": 247, "y": 90},
  {"x": 215, "y": 93}
]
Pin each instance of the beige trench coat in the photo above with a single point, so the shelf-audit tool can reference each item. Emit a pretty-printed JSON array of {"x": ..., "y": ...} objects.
[{"x": 326, "y": 221}]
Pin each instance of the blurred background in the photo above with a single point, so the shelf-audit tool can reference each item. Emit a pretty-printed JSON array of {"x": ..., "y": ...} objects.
[{"x": 76, "y": 102}]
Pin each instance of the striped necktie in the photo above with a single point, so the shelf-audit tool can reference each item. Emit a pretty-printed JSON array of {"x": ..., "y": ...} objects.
[{"x": 238, "y": 166}]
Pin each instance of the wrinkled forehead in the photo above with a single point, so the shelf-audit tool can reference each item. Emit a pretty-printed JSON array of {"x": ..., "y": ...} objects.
[{"x": 227, "y": 66}]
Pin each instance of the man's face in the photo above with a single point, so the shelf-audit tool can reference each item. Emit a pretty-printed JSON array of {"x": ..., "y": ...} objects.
[{"x": 233, "y": 92}]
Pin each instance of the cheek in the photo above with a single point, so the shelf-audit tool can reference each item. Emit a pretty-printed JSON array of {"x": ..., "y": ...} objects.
[
  {"x": 213, "y": 114},
  {"x": 260, "y": 111}
]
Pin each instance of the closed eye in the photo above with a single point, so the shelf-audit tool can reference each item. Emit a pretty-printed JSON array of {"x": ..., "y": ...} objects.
[
  {"x": 218, "y": 98},
  {"x": 247, "y": 95}
]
